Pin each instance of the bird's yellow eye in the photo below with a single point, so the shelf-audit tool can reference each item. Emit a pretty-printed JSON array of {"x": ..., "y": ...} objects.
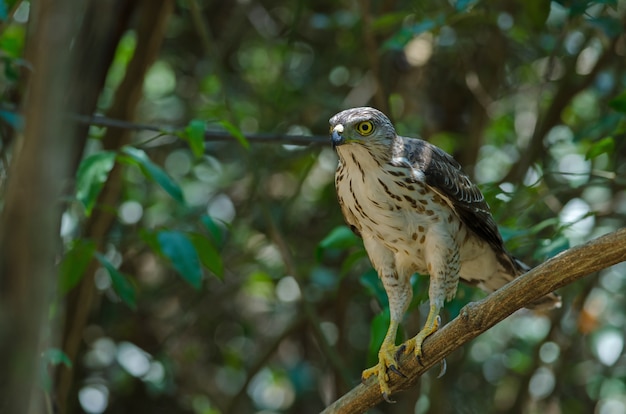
[{"x": 365, "y": 128}]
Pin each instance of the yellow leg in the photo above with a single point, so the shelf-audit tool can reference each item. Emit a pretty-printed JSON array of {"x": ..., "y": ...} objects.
[
  {"x": 386, "y": 361},
  {"x": 430, "y": 327}
]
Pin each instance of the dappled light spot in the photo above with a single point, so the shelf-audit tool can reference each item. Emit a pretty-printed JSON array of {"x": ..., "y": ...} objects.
[
  {"x": 101, "y": 354},
  {"x": 492, "y": 165},
  {"x": 156, "y": 373},
  {"x": 68, "y": 224},
  {"x": 339, "y": 75},
  {"x": 221, "y": 208},
  {"x": 287, "y": 289},
  {"x": 271, "y": 390},
  {"x": 422, "y": 405},
  {"x": 525, "y": 121},
  {"x": 549, "y": 352},
  {"x": 160, "y": 81},
  {"x": 130, "y": 212},
  {"x": 614, "y": 278},
  {"x": 178, "y": 163},
  {"x": 530, "y": 327},
  {"x": 588, "y": 57},
  {"x": 102, "y": 279},
  {"x": 133, "y": 359},
  {"x": 574, "y": 41},
  {"x": 574, "y": 168},
  {"x": 575, "y": 216},
  {"x": 331, "y": 332},
  {"x": 505, "y": 21},
  {"x": 480, "y": 351},
  {"x": 419, "y": 49},
  {"x": 558, "y": 15},
  {"x": 608, "y": 346},
  {"x": 209, "y": 170},
  {"x": 558, "y": 134},
  {"x": 94, "y": 398},
  {"x": 493, "y": 368},
  {"x": 614, "y": 405},
  {"x": 541, "y": 383}
]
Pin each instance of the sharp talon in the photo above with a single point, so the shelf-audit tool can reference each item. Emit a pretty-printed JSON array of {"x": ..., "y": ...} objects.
[
  {"x": 399, "y": 352},
  {"x": 389, "y": 400},
  {"x": 396, "y": 370},
  {"x": 419, "y": 359},
  {"x": 442, "y": 368}
]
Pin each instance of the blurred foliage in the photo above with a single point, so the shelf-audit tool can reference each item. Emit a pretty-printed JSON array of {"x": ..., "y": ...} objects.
[{"x": 245, "y": 292}]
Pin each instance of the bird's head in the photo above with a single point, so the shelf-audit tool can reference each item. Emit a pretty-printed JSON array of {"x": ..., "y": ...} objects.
[{"x": 367, "y": 127}]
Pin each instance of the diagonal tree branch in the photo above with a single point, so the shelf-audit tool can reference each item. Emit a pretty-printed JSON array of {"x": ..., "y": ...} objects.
[{"x": 477, "y": 317}]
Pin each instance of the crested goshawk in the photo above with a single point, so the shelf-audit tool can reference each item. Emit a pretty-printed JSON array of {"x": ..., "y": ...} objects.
[{"x": 417, "y": 211}]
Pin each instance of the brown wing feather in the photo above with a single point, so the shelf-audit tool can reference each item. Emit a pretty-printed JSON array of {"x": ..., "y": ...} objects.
[{"x": 445, "y": 176}]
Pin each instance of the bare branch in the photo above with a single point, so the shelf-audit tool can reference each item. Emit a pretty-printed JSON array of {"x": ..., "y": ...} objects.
[
  {"x": 210, "y": 136},
  {"x": 477, "y": 317}
]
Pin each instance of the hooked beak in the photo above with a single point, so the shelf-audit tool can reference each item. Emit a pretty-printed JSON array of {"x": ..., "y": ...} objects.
[{"x": 336, "y": 135}]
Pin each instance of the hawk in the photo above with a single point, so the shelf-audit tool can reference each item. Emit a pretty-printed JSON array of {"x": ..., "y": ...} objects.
[{"x": 416, "y": 211}]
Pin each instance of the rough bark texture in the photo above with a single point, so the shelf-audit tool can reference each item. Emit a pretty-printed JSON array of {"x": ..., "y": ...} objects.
[{"x": 477, "y": 317}]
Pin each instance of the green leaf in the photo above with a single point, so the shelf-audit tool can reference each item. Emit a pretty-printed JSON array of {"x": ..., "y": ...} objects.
[
  {"x": 340, "y": 237},
  {"x": 12, "y": 118},
  {"x": 605, "y": 145},
  {"x": 153, "y": 172},
  {"x": 4, "y": 13},
  {"x": 537, "y": 12},
  {"x": 619, "y": 103},
  {"x": 388, "y": 21},
  {"x": 372, "y": 283},
  {"x": 405, "y": 34},
  {"x": 378, "y": 330},
  {"x": 55, "y": 356},
  {"x": 235, "y": 132},
  {"x": 194, "y": 134},
  {"x": 350, "y": 260},
  {"x": 508, "y": 233},
  {"x": 463, "y": 5},
  {"x": 551, "y": 247},
  {"x": 75, "y": 263},
  {"x": 181, "y": 252},
  {"x": 209, "y": 256},
  {"x": 120, "y": 282},
  {"x": 52, "y": 356},
  {"x": 611, "y": 27},
  {"x": 215, "y": 230},
  {"x": 91, "y": 176},
  {"x": 150, "y": 238}
]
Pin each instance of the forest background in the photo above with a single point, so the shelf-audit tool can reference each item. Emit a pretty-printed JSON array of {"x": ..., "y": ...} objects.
[{"x": 170, "y": 237}]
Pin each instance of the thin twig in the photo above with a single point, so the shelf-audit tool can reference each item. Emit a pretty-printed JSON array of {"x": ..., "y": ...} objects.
[{"x": 210, "y": 136}]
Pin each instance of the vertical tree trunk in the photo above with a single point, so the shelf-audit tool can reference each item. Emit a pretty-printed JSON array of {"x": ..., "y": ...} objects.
[
  {"x": 29, "y": 232},
  {"x": 150, "y": 28}
]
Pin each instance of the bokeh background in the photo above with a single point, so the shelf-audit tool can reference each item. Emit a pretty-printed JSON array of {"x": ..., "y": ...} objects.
[{"x": 219, "y": 278}]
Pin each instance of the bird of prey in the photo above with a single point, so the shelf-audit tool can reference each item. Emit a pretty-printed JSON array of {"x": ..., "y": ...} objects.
[{"x": 416, "y": 211}]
